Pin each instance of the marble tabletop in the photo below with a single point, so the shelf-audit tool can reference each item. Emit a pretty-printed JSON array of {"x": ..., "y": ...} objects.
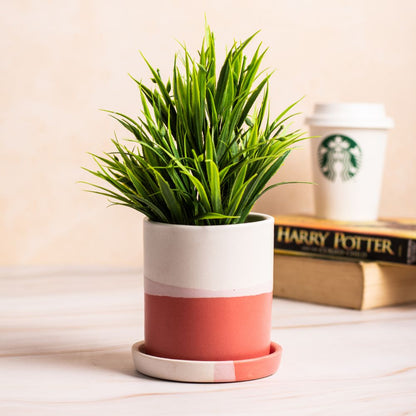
[{"x": 65, "y": 338}]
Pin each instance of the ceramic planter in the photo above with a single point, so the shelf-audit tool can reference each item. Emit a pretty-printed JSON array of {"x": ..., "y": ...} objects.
[{"x": 208, "y": 298}]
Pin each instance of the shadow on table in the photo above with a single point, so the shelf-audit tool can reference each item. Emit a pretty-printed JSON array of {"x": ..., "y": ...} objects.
[
  {"x": 107, "y": 359},
  {"x": 119, "y": 361}
]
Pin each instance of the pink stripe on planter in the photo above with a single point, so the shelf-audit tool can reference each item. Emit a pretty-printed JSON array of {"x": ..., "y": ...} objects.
[
  {"x": 208, "y": 329},
  {"x": 160, "y": 289},
  {"x": 224, "y": 371}
]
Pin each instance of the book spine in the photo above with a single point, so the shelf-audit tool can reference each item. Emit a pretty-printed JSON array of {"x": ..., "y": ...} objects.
[{"x": 344, "y": 245}]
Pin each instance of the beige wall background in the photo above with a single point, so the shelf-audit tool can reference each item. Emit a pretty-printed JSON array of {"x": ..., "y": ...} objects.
[{"x": 63, "y": 60}]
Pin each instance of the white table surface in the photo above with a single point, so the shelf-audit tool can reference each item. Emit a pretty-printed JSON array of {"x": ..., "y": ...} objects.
[{"x": 65, "y": 338}]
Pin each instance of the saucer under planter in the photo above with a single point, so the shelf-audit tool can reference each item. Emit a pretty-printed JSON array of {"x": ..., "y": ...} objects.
[
  {"x": 208, "y": 292},
  {"x": 193, "y": 371}
]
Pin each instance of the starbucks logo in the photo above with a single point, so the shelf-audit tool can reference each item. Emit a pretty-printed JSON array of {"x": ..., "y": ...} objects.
[{"x": 339, "y": 157}]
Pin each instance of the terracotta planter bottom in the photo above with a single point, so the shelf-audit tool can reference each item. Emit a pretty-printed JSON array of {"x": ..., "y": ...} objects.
[
  {"x": 211, "y": 329},
  {"x": 206, "y": 371}
]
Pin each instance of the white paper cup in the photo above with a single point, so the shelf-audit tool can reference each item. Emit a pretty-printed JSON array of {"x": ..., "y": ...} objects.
[{"x": 348, "y": 159}]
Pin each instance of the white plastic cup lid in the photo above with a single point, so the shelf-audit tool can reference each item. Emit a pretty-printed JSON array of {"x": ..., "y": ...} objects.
[{"x": 355, "y": 115}]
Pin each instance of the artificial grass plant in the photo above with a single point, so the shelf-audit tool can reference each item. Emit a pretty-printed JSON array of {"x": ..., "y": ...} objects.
[{"x": 202, "y": 154}]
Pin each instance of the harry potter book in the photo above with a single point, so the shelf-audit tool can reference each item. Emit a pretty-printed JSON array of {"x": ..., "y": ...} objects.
[
  {"x": 358, "y": 285},
  {"x": 386, "y": 240}
]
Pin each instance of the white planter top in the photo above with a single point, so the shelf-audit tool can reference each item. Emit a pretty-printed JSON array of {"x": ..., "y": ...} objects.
[{"x": 209, "y": 261}]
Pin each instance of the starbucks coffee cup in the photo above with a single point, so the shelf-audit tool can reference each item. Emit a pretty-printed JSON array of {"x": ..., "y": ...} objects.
[{"x": 348, "y": 159}]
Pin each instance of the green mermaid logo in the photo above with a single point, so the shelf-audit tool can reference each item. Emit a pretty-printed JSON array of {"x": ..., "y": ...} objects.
[{"x": 339, "y": 157}]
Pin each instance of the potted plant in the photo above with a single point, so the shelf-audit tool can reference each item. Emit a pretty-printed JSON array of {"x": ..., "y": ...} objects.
[{"x": 200, "y": 158}]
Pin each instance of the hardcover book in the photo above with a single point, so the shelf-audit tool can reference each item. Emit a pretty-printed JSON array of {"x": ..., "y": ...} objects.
[
  {"x": 387, "y": 240},
  {"x": 358, "y": 285}
]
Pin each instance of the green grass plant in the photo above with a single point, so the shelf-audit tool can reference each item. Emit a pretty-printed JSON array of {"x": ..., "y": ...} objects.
[{"x": 202, "y": 153}]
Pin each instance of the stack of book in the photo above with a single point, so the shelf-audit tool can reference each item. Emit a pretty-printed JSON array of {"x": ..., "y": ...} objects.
[{"x": 359, "y": 266}]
